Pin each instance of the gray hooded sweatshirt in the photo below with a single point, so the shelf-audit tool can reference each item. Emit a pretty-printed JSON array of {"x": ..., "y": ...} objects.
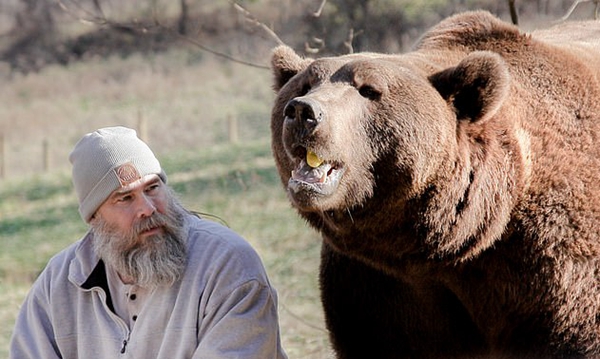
[{"x": 224, "y": 307}]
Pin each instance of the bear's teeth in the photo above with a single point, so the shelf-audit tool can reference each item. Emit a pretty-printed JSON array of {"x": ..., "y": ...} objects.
[
  {"x": 313, "y": 159},
  {"x": 308, "y": 174}
]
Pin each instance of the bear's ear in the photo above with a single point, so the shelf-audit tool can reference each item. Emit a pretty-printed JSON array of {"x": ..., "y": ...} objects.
[
  {"x": 476, "y": 87},
  {"x": 285, "y": 64}
]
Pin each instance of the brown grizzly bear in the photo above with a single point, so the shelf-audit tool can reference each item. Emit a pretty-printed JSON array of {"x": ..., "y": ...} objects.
[{"x": 456, "y": 187}]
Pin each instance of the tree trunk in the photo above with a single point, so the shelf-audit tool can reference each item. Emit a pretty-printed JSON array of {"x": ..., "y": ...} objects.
[
  {"x": 514, "y": 16},
  {"x": 183, "y": 18}
]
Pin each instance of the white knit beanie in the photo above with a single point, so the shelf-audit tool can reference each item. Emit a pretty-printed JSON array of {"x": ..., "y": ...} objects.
[{"x": 108, "y": 159}]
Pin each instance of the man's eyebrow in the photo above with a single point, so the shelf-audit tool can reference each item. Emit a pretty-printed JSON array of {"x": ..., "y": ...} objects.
[
  {"x": 153, "y": 181},
  {"x": 125, "y": 191},
  {"x": 121, "y": 192}
]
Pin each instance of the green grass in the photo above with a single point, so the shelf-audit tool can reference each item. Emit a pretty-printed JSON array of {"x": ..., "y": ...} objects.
[{"x": 236, "y": 183}]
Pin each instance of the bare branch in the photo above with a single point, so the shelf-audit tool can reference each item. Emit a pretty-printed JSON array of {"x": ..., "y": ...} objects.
[
  {"x": 98, "y": 7},
  {"x": 348, "y": 43},
  {"x": 216, "y": 53},
  {"x": 101, "y": 20},
  {"x": 575, "y": 4},
  {"x": 257, "y": 23},
  {"x": 320, "y": 44},
  {"x": 302, "y": 320},
  {"x": 87, "y": 18},
  {"x": 320, "y": 9}
]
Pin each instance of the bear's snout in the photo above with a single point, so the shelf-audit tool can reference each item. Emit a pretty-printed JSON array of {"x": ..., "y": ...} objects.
[{"x": 303, "y": 115}]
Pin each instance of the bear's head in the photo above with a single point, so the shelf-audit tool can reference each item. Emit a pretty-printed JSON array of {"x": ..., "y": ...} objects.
[{"x": 372, "y": 142}]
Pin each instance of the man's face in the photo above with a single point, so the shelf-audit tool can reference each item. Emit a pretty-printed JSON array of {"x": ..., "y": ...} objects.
[
  {"x": 126, "y": 207},
  {"x": 138, "y": 231}
]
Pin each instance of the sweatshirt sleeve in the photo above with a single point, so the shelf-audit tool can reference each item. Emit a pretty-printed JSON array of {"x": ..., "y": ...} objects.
[
  {"x": 33, "y": 336},
  {"x": 242, "y": 325}
]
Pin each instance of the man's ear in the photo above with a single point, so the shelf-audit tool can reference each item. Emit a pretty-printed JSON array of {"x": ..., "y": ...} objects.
[
  {"x": 476, "y": 87},
  {"x": 285, "y": 64}
]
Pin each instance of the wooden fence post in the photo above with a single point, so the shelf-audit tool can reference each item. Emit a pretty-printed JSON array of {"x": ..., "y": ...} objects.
[
  {"x": 2, "y": 157},
  {"x": 46, "y": 155},
  {"x": 232, "y": 126},
  {"x": 142, "y": 126}
]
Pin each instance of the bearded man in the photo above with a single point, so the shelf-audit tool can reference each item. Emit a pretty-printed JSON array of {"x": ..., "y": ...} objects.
[{"x": 149, "y": 279}]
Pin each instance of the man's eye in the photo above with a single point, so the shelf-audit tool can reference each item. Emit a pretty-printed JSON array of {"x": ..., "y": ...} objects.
[
  {"x": 124, "y": 199},
  {"x": 152, "y": 188}
]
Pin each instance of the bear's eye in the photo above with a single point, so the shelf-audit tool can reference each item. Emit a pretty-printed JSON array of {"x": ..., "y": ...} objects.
[{"x": 369, "y": 92}]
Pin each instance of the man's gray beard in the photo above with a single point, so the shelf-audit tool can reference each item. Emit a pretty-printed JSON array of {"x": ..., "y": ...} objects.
[{"x": 152, "y": 261}]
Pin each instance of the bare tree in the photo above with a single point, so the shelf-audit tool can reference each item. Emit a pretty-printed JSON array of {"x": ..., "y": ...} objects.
[{"x": 183, "y": 17}]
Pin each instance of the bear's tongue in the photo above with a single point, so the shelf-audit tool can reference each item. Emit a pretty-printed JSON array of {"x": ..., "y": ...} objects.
[{"x": 308, "y": 174}]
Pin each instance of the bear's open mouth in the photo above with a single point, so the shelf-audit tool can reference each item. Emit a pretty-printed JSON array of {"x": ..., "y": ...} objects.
[{"x": 323, "y": 179}]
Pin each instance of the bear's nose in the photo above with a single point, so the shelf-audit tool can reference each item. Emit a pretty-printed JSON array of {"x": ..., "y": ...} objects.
[{"x": 304, "y": 112}]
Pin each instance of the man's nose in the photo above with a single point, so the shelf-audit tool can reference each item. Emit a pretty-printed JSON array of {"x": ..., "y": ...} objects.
[{"x": 146, "y": 207}]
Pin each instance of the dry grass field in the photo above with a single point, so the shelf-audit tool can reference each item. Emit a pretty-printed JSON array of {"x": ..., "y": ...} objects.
[{"x": 184, "y": 100}]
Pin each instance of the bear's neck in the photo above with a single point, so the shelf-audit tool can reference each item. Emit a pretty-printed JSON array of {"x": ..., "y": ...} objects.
[{"x": 453, "y": 221}]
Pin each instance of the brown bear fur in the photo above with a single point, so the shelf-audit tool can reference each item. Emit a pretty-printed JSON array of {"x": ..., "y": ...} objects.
[{"x": 459, "y": 198}]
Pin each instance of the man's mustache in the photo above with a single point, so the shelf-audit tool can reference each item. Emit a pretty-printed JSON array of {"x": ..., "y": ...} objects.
[{"x": 154, "y": 221}]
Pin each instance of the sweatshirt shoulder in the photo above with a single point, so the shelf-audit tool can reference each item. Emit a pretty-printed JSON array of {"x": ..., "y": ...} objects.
[
  {"x": 213, "y": 245},
  {"x": 203, "y": 232}
]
